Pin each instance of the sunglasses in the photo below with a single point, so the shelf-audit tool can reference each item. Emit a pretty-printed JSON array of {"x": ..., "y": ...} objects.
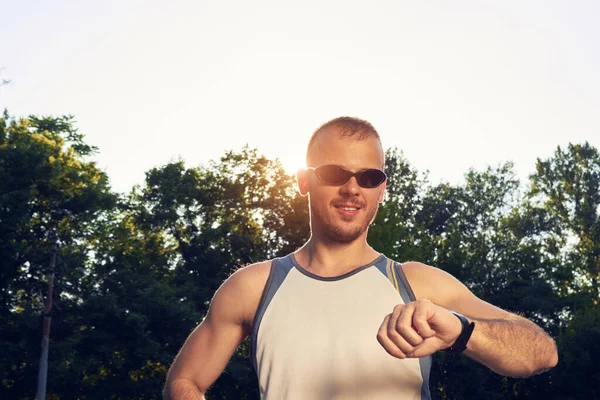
[{"x": 335, "y": 175}]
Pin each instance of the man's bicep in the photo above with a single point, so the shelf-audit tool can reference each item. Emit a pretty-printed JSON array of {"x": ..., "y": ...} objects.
[
  {"x": 460, "y": 299},
  {"x": 445, "y": 290},
  {"x": 209, "y": 347},
  {"x": 465, "y": 302}
]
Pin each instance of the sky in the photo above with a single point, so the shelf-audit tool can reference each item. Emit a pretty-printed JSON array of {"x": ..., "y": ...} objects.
[{"x": 454, "y": 85}]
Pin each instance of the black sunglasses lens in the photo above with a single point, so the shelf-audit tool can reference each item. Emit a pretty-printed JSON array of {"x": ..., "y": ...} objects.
[
  {"x": 333, "y": 174},
  {"x": 370, "y": 178}
]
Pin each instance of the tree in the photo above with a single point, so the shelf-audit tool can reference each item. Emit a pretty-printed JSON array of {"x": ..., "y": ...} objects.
[
  {"x": 136, "y": 274},
  {"x": 218, "y": 218},
  {"x": 565, "y": 193},
  {"x": 49, "y": 193},
  {"x": 567, "y": 188},
  {"x": 394, "y": 231}
]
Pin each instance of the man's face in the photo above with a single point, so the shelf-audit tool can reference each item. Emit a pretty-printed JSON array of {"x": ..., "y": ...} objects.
[{"x": 343, "y": 213}]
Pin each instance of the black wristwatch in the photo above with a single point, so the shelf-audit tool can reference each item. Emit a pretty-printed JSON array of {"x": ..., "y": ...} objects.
[{"x": 460, "y": 344}]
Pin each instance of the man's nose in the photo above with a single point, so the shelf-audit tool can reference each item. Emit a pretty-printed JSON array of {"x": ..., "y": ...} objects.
[{"x": 350, "y": 187}]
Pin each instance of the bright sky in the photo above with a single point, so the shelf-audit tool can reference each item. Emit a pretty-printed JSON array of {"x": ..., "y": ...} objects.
[{"x": 453, "y": 84}]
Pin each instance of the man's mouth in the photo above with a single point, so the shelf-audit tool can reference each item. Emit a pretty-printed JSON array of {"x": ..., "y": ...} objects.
[{"x": 348, "y": 209}]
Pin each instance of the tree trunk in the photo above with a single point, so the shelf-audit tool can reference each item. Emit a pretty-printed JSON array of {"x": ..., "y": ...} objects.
[{"x": 43, "y": 371}]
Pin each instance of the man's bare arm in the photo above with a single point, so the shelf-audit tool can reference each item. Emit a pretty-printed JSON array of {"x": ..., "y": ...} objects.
[
  {"x": 505, "y": 342},
  {"x": 512, "y": 346},
  {"x": 209, "y": 347}
]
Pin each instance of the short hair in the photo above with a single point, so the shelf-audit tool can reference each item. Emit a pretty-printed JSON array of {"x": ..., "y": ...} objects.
[{"x": 348, "y": 126}]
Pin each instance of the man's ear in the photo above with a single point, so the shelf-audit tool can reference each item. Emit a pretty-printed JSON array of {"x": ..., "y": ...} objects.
[
  {"x": 302, "y": 181},
  {"x": 382, "y": 192}
]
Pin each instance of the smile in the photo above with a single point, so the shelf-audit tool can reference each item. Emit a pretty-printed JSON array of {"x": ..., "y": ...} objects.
[{"x": 347, "y": 210}]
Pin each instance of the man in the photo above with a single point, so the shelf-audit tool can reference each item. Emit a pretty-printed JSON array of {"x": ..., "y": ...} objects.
[{"x": 338, "y": 320}]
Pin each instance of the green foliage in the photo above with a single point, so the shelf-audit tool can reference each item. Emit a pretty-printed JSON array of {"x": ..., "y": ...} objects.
[
  {"x": 215, "y": 219},
  {"x": 45, "y": 186},
  {"x": 136, "y": 274},
  {"x": 394, "y": 231},
  {"x": 567, "y": 187},
  {"x": 579, "y": 342},
  {"x": 48, "y": 192}
]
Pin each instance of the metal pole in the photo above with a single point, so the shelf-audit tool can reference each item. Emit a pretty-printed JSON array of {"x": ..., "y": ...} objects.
[{"x": 43, "y": 371}]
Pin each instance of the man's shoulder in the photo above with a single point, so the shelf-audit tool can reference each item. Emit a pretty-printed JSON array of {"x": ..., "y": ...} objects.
[
  {"x": 429, "y": 282},
  {"x": 417, "y": 269},
  {"x": 253, "y": 274},
  {"x": 246, "y": 285},
  {"x": 249, "y": 278}
]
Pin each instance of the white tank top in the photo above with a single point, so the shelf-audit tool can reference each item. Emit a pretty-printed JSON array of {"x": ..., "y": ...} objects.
[{"x": 316, "y": 338}]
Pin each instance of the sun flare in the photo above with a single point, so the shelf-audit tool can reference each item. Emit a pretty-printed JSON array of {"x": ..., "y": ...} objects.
[{"x": 291, "y": 160}]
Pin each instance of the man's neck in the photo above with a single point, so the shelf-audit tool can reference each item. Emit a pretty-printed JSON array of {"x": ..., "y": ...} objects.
[{"x": 328, "y": 259}]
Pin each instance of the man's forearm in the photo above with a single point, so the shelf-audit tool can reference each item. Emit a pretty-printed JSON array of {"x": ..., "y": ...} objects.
[
  {"x": 513, "y": 347},
  {"x": 182, "y": 390}
]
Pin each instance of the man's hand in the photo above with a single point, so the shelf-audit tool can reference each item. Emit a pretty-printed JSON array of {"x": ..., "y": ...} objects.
[{"x": 418, "y": 329}]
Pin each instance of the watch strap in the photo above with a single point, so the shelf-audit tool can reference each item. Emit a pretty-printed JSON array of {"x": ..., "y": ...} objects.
[{"x": 460, "y": 344}]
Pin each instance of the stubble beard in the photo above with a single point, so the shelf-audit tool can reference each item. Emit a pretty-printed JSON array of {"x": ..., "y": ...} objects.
[{"x": 340, "y": 233}]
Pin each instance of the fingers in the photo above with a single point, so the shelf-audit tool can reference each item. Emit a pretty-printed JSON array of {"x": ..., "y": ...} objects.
[
  {"x": 385, "y": 341},
  {"x": 421, "y": 324},
  {"x": 404, "y": 331}
]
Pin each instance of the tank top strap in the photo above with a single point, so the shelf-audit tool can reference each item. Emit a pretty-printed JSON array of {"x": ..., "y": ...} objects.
[
  {"x": 280, "y": 267},
  {"x": 393, "y": 271}
]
